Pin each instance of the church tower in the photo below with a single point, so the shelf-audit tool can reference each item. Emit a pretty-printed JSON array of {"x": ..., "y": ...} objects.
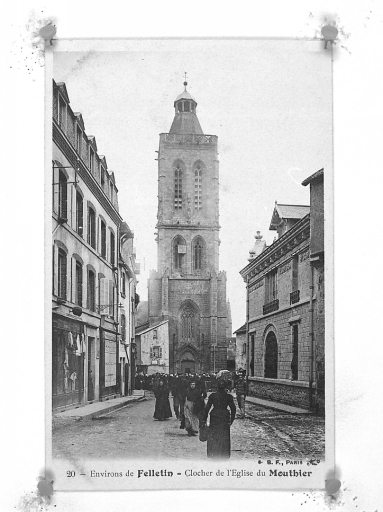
[{"x": 188, "y": 289}]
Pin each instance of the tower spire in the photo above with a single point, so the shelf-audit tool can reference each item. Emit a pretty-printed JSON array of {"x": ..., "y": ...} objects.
[{"x": 185, "y": 82}]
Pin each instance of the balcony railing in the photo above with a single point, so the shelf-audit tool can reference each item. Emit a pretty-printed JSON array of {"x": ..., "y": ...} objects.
[
  {"x": 294, "y": 297},
  {"x": 271, "y": 306},
  {"x": 188, "y": 138}
]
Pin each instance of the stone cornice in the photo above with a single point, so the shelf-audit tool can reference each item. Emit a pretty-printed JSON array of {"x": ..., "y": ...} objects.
[
  {"x": 294, "y": 237},
  {"x": 71, "y": 155},
  {"x": 188, "y": 226}
]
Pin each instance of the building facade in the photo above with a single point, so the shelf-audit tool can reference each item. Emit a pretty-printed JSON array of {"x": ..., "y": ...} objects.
[
  {"x": 153, "y": 349},
  {"x": 85, "y": 264},
  {"x": 285, "y": 308},
  {"x": 188, "y": 289},
  {"x": 240, "y": 348}
]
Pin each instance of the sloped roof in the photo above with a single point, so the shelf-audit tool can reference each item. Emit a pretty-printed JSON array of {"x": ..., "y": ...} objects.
[
  {"x": 185, "y": 123},
  {"x": 150, "y": 328},
  {"x": 316, "y": 175},
  {"x": 241, "y": 329},
  {"x": 287, "y": 211},
  {"x": 185, "y": 96},
  {"x": 63, "y": 90}
]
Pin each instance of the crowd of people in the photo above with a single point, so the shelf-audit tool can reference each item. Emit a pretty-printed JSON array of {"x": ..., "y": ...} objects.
[{"x": 192, "y": 406}]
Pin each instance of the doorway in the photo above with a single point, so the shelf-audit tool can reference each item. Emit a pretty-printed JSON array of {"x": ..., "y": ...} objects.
[{"x": 91, "y": 376}]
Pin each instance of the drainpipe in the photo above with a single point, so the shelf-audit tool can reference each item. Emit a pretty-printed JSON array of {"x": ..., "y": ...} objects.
[{"x": 311, "y": 311}]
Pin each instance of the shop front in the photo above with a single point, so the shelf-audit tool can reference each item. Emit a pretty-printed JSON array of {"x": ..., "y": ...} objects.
[
  {"x": 109, "y": 364},
  {"x": 68, "y": 355}
]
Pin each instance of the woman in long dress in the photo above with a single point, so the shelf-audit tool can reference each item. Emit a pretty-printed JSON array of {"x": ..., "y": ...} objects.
[
  {"x": 194, "y": 405},
  {"x": 162, "y": 409},
  {"x": 221, "y": 418}
]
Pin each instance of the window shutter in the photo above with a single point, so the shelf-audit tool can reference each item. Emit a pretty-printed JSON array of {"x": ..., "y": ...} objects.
[
  {"x": 104, "y": 295},
  {"x": 111, "y": 298}
]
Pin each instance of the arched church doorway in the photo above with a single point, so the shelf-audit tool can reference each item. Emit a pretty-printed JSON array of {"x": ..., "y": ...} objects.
[{"x": 188, "y": 364}]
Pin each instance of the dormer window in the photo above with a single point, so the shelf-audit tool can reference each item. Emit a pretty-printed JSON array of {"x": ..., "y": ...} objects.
[
  {"x": 91, "y": 160},
  {"x": 78, "y": 140},
  {"x": 62, "y": 113}
]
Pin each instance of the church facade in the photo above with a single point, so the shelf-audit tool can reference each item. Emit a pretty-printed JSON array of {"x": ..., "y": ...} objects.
[{"x": 188, "y": 289}]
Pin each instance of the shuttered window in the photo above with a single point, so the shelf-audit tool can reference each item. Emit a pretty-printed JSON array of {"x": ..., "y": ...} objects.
[
  {"x": 104, "y": 296},
  {"x": 79, "y": 214},
  {"x": 62, "y": 274},
  {"x": 271, "y": 286},
  {"x": 123, "y": 327},
  {"x": 156, "y": 352}
]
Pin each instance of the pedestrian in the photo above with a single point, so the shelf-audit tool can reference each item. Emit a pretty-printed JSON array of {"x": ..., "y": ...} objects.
[
  {"x": 162, "y": 409},
  {"x": 241, "y": 392},
  {"x": 194, "y": 406},
  {"x": 218, "y": 439},
  {"x": 175, "y": 389}
]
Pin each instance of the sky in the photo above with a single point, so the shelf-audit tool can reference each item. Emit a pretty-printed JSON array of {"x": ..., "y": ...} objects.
[{"x": 268, "y": 101}]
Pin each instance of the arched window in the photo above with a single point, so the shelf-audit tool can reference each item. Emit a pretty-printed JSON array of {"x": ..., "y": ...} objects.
[
  {"x": 187, "y": 325},
  {"x": 198, "y": 247},
  {"x": 271, "y": 356},
  {"x": 63, "y": 196},
  {"x": 91, "y": 290},
  {"x": 179, "y": 252},
  {"x": 178, "y": 187},
  {"x": 198, "y": 188}
]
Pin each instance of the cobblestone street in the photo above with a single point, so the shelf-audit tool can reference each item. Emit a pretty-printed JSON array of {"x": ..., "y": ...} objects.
[{"x": 131, "y": 433}]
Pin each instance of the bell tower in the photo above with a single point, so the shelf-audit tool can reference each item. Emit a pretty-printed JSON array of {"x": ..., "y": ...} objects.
[{"x": 188, "y": 289}]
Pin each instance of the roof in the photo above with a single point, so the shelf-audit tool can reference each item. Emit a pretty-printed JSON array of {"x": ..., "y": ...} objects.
[
  {"x": 241, "y": 329},
  {"x": 287, "y": 211},
  {"x": 138, "y": 332},
  {"x": 185, "y": 96},
  {"x": 186, "y": 123},
  {"x": 315, "y": 176},
  {"x": 63, "y": 90}
]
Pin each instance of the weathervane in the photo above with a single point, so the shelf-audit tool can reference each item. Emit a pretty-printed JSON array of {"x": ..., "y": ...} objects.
[{"x": 185, "y": 82}]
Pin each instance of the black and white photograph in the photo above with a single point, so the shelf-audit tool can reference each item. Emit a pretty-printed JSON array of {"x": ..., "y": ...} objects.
[{"x": 191, "y": 208}]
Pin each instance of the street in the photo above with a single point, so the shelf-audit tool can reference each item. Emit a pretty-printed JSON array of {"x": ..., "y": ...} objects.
[{"x": 131, "y": 433}]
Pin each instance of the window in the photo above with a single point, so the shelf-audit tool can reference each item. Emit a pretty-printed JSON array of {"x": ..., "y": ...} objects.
[
  {"x": 62, "y": 113},
  {"x": 63, "y": 196},
  {"x": 156, "y": 352},
  {"x": 123, "y": 327},
  {"x": 197, "y": 256},
  {"x": 91, "y": 227},
  {"x": 178, "y": 188},
  {"x": 271, "y": 356},
  {"x": 198, "y": 188},
  {"x": 91, "y": 290},
  {"x": 111, "y": 192},
  {"x": 78, "y": 298},
  {"x": 78, "y": 140},
  {"x": 112, "y": 249},
  {"x": 295, "y": 284},
  {"x": 79, "y": 214},
  {"x": 103, "y": 239},
  {"x": 252, "y": 348},
  {"x": 112, "y": 300},
  {"x": 244, "y": 349},
  {"x": 179, "y": 104},
  {"x": 187, "y": 325},
  {"x": 155, "y": 334},
  {"x": 179, "y": 253},
  {"x": 91, "y": 160},
  {"x": 294, "y": 361},
  {"x": 62, "y": 274},
  {"x": 271, "y": 290},
  {"x": 187, "y": 106}
]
